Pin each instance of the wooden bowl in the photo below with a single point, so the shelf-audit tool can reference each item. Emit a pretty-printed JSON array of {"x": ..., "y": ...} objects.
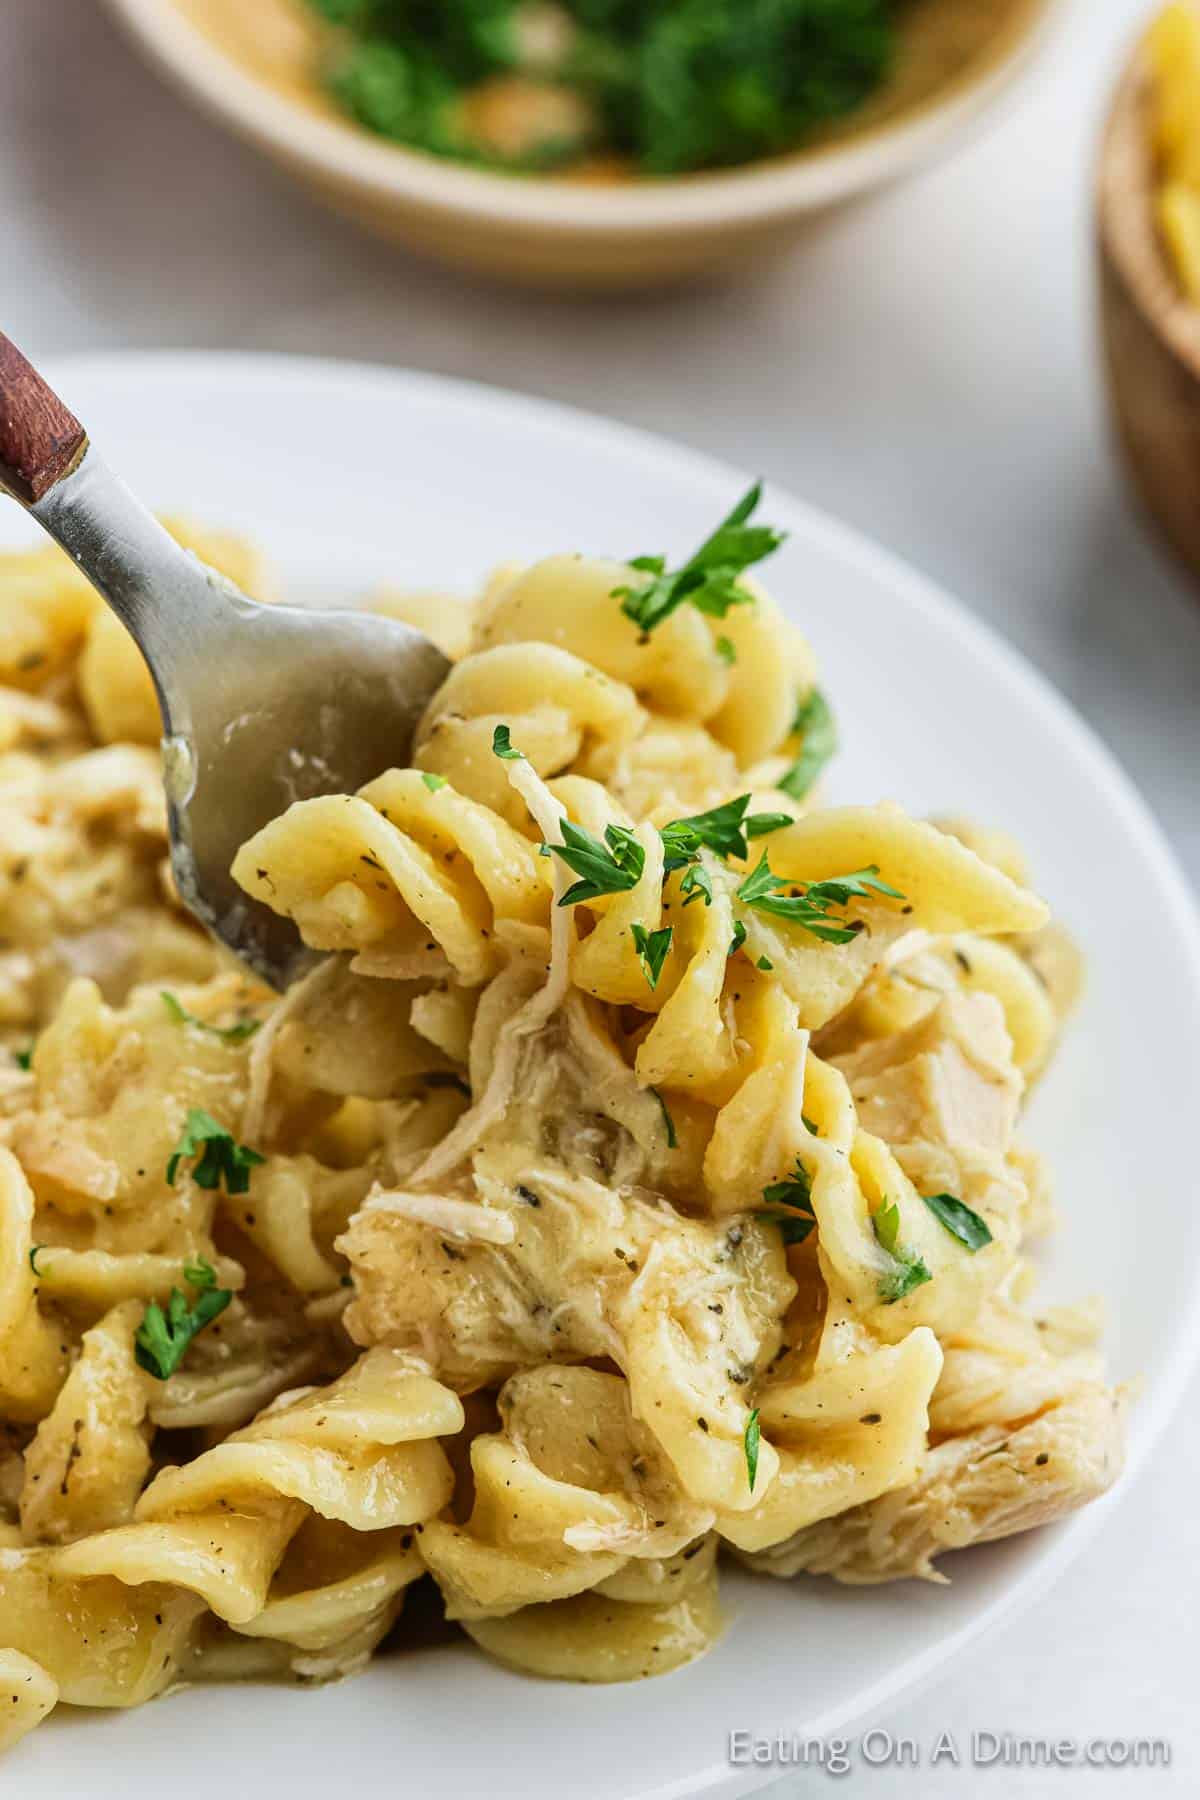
[
  {"x": 252, "y": 65},
  {"x": 1151, "y": 331}
]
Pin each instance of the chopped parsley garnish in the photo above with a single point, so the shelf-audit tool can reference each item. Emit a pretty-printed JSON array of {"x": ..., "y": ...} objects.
[
  {"x": 220, "y": 1159},
  {"x": 738, "y": 938},
  {"x": 817, "y": 728},
  {"x": 668, "y": 1121},
  {"x": 910, "y": 1271},
  {"x": 434, "y": 782},
  {"x": 611, "y": 867},
  {"x": 759, "y": 824},
  {"x": 723, "y": 829},
  {"x": 652, "y": 948},
  {"x": 229, "y": 1034},
  {"x": 959, "y": 1219},
  {"x": 751, "y": 1439},
  {"x": 808, "y": 905},
  {"x": 697, "y": 885},
  {"x": 790, "y": 1201},
  {"x": 887, "y": 1225},
  {"x": 709, "y": 578},
  {"x": 502, "y": 745},
  {"x": 838, "y": 890},
  {"x": 726, "y": 650},
  {"x": 24, "y": 1058},
  {"x": 809, "y": 1126},
  {"x": 161, "y": 1340},
  {"x": 33, "y": 1256},
  {"x": 765, "y": 964}
]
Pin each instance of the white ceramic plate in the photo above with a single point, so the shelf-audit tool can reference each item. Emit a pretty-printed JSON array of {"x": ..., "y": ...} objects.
[{"x": 353, "y": 475}]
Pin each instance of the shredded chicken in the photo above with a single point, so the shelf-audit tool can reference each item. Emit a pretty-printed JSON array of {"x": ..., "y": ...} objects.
[{"x": 987, "y": 1484}]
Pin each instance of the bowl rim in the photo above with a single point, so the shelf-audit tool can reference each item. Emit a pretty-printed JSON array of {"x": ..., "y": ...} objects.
[
  {"x": 1126, "y": 189},
  {"x": 343, "y": 155}
]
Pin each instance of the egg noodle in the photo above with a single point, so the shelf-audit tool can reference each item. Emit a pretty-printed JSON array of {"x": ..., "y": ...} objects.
[{"x": 632, "y": 1182}]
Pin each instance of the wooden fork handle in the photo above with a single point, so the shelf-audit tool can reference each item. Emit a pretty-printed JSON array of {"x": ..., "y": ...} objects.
[{"x": 40, "y": 439}]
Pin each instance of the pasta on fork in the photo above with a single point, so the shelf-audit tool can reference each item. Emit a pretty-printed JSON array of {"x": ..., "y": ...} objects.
[{"x": 634, "y": 1182}]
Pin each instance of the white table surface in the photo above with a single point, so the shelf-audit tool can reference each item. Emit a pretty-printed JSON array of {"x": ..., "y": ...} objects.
[{"x": 925, "y": 367}]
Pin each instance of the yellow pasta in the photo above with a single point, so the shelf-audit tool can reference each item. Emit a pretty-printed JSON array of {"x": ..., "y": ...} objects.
[
  {"x": 361, "y": 1452},
  {"x": 1173, "y": 53},
  {"x": 565, "y": 1497},
  {"x": 27, "y": 1694},
  {"x": 409, "y": 879},
  {"x": 594, "y": 1638},
  {"x": 636, "y": 1179}
]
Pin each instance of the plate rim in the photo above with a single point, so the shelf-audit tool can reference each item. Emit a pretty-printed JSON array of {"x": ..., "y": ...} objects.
[{"x": 979, "y": 638}]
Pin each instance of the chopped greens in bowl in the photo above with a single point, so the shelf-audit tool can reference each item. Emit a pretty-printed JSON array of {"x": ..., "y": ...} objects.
[{"x": 657, "y": 87}]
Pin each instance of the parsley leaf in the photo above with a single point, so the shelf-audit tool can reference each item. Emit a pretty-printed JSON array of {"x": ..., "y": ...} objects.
[
  {"x": 759, "y": 824},
  {"x": 887, "y": 1225},
  {"x": 751, "y": 1439},
  {"x": 652, "y": 948},
  {"x": 726, "y": 650},
  {"x": 910, "y": 1271},
  {"x": 817, "y": 728},
  {"x": 33, "y": 1256},
  {"x": 765, "y": 964},
  {"x": 697, "y": 884},
  {"x": 434, "y": 782},
  {"x": 220, "y": 1159},
  {"x": 24, "y": 1058},
  {"x": 709, "y": 578},
  {"x": 668, "y": 1121},
  {"x": 794, "y": 1190},
  {"x": 609, "y": 868},
  {"x": 230, "y": 1034},
  {"x": 502, "y": 745},
  {"x": 808, "y": 906},
  {"x": 738, "y": 939},
  {"x": 770, "y": 893},
  {"x": 721, "y": 829},
  {"x": 794, "y": 1195},
  {"x": 837, "y": 890},
  {"x": 161, "y": 1340},
  {"x": 960, "y": 1220}
]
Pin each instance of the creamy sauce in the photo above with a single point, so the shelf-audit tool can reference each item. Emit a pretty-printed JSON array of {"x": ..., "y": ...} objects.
[{"x": 942, "y": 43}]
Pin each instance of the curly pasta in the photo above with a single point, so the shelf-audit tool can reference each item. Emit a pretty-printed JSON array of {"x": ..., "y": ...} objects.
[
  {"x": 559, "y": 1511},
  {"x": 361, "y": 1453},
  {"x": 636, "y": 1179}
]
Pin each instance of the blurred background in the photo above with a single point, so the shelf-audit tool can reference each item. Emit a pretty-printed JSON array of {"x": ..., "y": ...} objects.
[{"x": 924, "y": 365}]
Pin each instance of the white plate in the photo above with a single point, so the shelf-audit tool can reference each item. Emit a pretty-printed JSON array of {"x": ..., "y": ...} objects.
[{"x": 353, "y": 475}]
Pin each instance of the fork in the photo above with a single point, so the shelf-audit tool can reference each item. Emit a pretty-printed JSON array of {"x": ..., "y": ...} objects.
[{"x": 261, "y": 705}]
